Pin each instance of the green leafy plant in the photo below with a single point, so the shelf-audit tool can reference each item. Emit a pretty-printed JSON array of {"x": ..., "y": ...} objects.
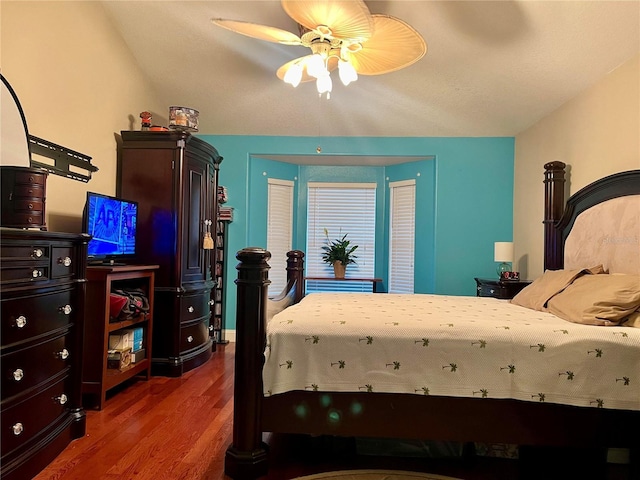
[{"x": 338, "y": 250}]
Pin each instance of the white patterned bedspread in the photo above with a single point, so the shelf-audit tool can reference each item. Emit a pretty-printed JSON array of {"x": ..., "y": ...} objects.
[{"x": 450, "y": 346}]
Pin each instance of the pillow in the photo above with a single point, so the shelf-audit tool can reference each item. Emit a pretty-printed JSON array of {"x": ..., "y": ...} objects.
[
  {"x": 632, "y": 320},
  {"x": 537, "y": 293},
  {"x": 278, "y": 304},
  {"x": 598, "y": 299}
]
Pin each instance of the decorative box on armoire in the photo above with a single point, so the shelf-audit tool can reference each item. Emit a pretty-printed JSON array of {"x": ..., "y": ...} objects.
[
  {"x": 42, "y": 290},
  {"x": 173, "y": 176}
]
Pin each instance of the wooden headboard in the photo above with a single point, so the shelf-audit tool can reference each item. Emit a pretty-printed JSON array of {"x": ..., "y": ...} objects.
[{"x": 560, "y": 218}]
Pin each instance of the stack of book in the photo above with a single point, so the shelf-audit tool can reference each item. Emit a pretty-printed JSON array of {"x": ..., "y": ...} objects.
[
  {"x": 222, "y": 194},
  {"x": 225, "y": 214},
  {"x": 129, "y": 340}
]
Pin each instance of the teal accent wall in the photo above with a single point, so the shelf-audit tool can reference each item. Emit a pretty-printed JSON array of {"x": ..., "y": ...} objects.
[{"x": 464, "y": 199}]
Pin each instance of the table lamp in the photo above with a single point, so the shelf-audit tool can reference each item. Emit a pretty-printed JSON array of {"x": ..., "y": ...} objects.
[{"x": 503, "y": 253}]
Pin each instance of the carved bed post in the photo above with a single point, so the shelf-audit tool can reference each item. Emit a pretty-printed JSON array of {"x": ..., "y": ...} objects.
[
  {"x": 246, "y": 457},
  {"x": 553, "y": 208},
  {"x": 295, "y": 273}
]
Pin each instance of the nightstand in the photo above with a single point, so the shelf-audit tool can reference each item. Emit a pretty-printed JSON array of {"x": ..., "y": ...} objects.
[{"x": 503, "y": 289}]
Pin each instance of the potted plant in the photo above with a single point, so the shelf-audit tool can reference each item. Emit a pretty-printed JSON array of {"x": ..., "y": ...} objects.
[{"x": 339, "y": 253}]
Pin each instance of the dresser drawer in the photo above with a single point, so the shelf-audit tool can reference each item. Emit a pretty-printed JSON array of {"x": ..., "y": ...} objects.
[
  {"x": 30, "y": 177},
  {"x": 27, "y": 220},
  {"x": 62, "y": 262},
  {"x": 194, "y": 335},
  {"x": 25, "y": 252},
  {"x": 495, "y": 291},
  {"x": 24, "y": 273},
  {"x": 29, "y": 190},
  {"x": 24, "y": 318},
  {"x": 27, "y": 368},
  {"x": 194, "y": 306},
  {"x": 24, "y": 420},
  {"x": 502, "y": 289},
  {"x": 28, "y": 206}
]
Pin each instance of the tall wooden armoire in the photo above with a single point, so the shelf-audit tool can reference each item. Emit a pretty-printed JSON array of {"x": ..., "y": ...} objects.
[{"x": 174, "y": 178}]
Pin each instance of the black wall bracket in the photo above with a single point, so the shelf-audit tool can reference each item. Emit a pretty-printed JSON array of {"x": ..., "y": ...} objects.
[{"x": 66, "y": 162}]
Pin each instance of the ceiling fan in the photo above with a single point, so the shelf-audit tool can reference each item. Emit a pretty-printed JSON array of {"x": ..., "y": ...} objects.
[{"x": 341, "y": 34}]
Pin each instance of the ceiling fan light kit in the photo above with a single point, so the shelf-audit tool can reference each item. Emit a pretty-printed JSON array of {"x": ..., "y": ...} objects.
[{"x": 341, "y": 34}]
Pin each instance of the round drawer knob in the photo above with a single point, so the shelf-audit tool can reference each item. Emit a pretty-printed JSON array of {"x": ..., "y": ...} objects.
[
  {"x": 38, "y": 252},
  {"x": 63, "y": 354},
  {"x": 189, "y": 339},
  {"x": 492, "y": 291},
  {"x": 62, "y": 399},
  {"x": 18, "y": 374},
  {"x": 36, "y": 273},
  {"x": 30, "y": 206},
  {"x": 21, "y": 321},
  {"x": 66, "y": 309},
  {"x": 190, "y": 309},
  {"x": 66, "y": 261},
  {"x": 18, "y": 428},
  {"x": 211, "y": 328},
  {"x": 211, "y": 302}
]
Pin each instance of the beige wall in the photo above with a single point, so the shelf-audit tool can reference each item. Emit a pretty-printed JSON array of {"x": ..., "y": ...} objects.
[
  {"x": 596, "y": 134},
  {"x": 79, "y": 86}
]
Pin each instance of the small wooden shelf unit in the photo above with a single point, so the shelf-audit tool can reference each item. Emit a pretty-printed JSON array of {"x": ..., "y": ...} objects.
[{"x": 97, "y": 378}]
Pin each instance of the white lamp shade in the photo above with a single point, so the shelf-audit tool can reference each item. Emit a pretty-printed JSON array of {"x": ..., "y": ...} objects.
[
  {"x": 346, "y": 72},
  {"x": 315, "y": 66},
  {"x": 503, "y": 252},
  {"x": 324, "y": 84},
  {"x": 293, "y": 75}
]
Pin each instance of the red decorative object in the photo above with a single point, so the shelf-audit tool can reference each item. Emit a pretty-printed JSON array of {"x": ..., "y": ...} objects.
[
  {"x": 146, "y": 120},
  {"x": 510, "y": 276}
]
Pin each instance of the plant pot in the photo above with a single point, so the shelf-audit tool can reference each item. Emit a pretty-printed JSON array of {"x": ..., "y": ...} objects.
[{"x": 339, "y": 269}]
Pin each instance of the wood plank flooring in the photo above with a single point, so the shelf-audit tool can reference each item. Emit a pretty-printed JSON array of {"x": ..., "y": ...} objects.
[{"x": 180, "y": 428}]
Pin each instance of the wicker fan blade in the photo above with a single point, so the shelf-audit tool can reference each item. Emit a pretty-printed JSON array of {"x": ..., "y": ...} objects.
[
  {"x": 262, "y": 32},
  {"x": 332, "y": 64},
  {"x": 394, "y": 45},
  {"x": 348, "y": 19}
]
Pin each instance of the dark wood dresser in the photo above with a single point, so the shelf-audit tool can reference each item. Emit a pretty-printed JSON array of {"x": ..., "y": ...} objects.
[
  {"x": 42, "y": 289},
  {"x": 173, "y": 177}
]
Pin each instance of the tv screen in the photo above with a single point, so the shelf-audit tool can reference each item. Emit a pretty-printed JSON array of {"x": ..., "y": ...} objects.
[{"x": 111, "y": 222}]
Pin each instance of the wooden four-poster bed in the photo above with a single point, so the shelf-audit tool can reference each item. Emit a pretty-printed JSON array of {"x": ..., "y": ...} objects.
[{"x": 373, "y": 413}]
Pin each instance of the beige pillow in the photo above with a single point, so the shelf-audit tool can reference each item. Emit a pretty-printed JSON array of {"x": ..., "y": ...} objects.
[
  {"x": 537, "y": 294},
  {"x": 598, "y": 299},
  {"x": 632, "y": 320}
]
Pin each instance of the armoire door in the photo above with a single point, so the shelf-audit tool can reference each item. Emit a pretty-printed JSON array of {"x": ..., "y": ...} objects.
[{"x": 196, "y": 216}]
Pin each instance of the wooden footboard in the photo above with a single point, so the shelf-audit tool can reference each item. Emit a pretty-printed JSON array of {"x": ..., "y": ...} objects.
[{"x": 247, "y": 457}]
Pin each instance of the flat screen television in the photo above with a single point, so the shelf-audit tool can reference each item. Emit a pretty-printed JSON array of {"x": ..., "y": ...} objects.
[{"x": 112, "y": 222}]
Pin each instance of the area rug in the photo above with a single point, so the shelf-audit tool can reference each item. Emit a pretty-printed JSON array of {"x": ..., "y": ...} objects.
[{"x": 375, "y": 475}]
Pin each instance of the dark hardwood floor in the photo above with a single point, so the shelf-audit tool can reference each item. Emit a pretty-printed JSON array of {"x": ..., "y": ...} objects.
[{"x": 179, "y": 429}]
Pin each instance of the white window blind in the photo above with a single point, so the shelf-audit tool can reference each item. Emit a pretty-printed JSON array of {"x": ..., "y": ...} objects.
[
  {"x": 402, "y": 235},
  {"x": 279, "y": 231},
  {"x": 341, "y": 208}
]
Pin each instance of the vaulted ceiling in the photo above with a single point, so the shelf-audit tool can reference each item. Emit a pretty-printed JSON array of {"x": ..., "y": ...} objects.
[{"x": 493, "y": 68}]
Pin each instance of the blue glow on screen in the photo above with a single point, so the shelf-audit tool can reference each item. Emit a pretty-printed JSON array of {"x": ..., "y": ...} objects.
[{"x": 112, "y": 223}]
